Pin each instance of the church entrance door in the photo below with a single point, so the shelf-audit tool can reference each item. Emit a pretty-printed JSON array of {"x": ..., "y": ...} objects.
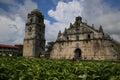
[{"x": 77, "y": 53}]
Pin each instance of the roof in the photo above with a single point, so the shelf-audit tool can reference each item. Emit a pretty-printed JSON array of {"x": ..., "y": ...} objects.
[{"x": 7, "y": 46}]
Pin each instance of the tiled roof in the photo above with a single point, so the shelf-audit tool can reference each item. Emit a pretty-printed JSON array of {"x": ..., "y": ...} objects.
[{"x": 7, "y": 46}]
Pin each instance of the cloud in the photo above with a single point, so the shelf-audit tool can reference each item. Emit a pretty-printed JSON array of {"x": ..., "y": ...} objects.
[
  {"x": 10, "y": 2},
  {"x": 24, "y": 9},
  {"x": 52, "y": 30},
  {"x": 95, "y": 12},
  {"x": 12, "y": 23},
  {"x": 103, "y": 15},
  {"x": 65, "y": 12},
  {"x": 11, "y": 30}
]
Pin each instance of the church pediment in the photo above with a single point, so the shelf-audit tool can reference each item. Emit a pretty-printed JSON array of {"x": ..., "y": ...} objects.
[
  {"x": 80, "y": 31},
  {"x": 80, "y": 27}
]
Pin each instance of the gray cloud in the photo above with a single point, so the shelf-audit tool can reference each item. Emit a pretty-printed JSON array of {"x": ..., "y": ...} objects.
[
  {"x": 10, "y": 2},
  {"x": 12, "y": 23},
  {"x": 64, "y": 14},
  {"x": 94, "y": 11},
  {"x": 104, "y": 15}
]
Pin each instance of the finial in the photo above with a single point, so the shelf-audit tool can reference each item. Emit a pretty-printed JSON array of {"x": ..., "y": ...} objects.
[
  {"x": 100, "y": 29},
  {"x": 59, "y": 31},
  {"x": 65, "y": 30},
  {"x": 92, "y": 25},
  {"x": 71, "y": 25}
]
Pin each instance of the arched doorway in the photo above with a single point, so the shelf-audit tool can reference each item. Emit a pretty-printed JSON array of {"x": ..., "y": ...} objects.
[{"x": 77, "y": 53}]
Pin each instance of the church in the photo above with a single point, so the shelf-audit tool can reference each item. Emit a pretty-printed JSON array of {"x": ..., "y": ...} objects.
[
  {"x": 79, "y": 41},
  {"x": 82, "y": 41}
]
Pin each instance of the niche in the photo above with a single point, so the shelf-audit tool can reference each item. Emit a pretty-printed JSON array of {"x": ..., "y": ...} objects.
[
  {"x": 67, "y": 38},
  {"x": 77, "y": 37},
  {"x": 88, "y": 36}
]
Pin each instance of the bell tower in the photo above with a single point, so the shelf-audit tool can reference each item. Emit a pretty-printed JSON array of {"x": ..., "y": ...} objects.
[{"x": 34, "y": 41}]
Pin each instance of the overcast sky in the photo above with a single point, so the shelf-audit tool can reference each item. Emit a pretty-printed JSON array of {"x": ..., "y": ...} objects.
[{"x": 58, "y": 15}]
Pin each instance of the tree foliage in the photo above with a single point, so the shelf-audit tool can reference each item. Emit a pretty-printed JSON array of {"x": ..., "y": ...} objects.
[{"x": 49, "y": 46}]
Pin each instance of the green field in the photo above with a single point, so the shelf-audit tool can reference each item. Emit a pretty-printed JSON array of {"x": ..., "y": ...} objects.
[{"x": 48, "y": 69}]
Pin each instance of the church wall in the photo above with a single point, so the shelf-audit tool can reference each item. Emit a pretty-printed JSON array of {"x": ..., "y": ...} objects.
[
  {"x": 91, "y": 50},
  {"x": 91, "y": 43}
]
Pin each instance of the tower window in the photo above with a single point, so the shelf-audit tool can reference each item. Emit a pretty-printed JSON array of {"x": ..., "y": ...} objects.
[
  {"x": 29, "y": 29},
  {"x": 31, "y": 20},
  {"x": 40, "y": 20}
]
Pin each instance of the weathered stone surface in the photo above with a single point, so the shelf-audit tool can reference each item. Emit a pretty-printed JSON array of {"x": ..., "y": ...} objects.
[
  {"x": 83, "y": 41},
  {"x": 34, "y": 41}
]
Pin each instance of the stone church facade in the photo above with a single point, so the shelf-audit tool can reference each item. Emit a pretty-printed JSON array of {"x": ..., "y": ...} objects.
[
  {"x": 34, "y": 41},
  {"x": 82, "y": 41}
]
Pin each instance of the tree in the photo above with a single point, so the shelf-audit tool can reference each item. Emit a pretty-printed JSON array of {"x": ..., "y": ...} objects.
[{"x": 49, "y": 46}]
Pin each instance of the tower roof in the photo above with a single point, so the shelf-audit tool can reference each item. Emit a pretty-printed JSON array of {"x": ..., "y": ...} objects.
[{"x": 35, "y": 12}]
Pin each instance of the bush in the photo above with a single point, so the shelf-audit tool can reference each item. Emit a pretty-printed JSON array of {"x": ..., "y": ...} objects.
[{"x": 48, "y": 69}]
